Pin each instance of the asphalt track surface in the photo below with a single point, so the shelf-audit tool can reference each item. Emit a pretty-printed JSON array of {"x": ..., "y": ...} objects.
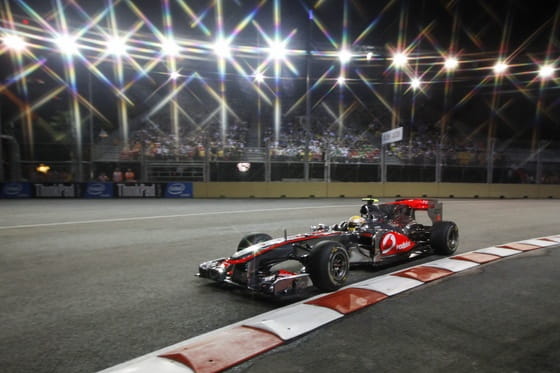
[{"x": 88, "y": 284}]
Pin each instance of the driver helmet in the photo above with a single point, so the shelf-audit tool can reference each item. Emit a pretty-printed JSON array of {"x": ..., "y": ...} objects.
[{"x": 355, "y": 222}]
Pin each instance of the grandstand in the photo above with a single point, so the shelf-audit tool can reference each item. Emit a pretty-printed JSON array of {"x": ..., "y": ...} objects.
[{"x": 303, "y": 113}]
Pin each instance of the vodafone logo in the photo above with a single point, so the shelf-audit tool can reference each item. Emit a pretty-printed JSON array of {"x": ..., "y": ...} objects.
[
  {"x": 404, "y": 245},
  {"x": 388, "y": 242},
  {"x": 395, "y": 242}
]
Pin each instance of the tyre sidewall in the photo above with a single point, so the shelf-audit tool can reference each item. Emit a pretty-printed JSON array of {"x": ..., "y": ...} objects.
[
  {"x": 444, "y": 237},
  {"x": 251, "y": 239},
  {"x": 322, "y": 261}
]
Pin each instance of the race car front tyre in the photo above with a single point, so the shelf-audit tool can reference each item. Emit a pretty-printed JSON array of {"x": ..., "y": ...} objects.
[
  {"x": 444, "y": 237},
  {"x": 251, "y": 239},
  {"x": 329, "y": 265}
]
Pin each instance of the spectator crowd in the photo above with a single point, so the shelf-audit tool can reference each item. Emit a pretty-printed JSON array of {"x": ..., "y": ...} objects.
[{"x": 354, "y": 141}]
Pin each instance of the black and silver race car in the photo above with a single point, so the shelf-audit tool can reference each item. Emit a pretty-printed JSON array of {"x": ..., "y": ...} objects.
[{"x": 383, "y": 233}]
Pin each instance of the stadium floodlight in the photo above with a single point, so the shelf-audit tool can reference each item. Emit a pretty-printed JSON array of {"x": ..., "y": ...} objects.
[
  {"x": 169, "y": 47},
  {"x": 546, "y": 71},
  {"x": 14, "y": 42},
  {"x": 500, "y": 68},
  {"x": 369, "y": 56},
  {"x": 415, "y": 83},
  {"x": 66, "y": 44},
  {"x": 116, "y": 46},
  {"x": 344, "y": 56},
  {"x": 400, "y": 59},
  {"x": 222, "y": 48},
  {"x": 451, "y": 63},
  {"x": 259, "y": 77},
  {"x": 174, "y": 75},
  {"x": 341, "y": 80},
  {"x": 277, "y": 50}
]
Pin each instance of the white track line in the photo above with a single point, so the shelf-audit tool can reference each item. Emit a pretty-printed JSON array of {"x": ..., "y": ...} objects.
[{"x": 137, "y": 218}]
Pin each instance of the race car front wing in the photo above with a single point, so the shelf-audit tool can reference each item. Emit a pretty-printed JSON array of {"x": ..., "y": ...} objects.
[{"x": 281, "y": 283}]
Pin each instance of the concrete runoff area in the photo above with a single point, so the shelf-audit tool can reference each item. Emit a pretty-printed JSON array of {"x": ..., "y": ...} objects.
[{"x": 89, "y": 284}]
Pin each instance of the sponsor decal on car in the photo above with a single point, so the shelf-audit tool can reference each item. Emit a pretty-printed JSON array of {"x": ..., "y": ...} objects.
[{"x": 393, "y": 242}]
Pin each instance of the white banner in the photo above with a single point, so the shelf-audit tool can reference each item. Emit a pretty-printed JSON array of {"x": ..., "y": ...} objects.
[{"x": 393, "y": 135}]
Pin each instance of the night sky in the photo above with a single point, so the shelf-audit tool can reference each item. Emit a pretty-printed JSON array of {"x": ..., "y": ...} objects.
[{"x": 525, "y": 33}]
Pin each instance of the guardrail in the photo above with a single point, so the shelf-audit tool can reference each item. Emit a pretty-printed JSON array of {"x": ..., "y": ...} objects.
[
  {"x": 96, "y": 190},
  {"x": 293, "y": 189}
]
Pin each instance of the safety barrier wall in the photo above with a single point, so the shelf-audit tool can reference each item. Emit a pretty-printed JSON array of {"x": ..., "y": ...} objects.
[
  {"x": 341, "y": 189},
  {"x": 97, "y": 190},
  {"x": 276, "y": 190}
]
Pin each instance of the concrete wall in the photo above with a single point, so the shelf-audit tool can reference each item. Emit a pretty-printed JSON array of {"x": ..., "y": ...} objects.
[{"x": 335, "y": 190}]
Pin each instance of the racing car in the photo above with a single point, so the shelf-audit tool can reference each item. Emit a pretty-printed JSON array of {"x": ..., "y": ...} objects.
[{"x": 382, "y": 234}]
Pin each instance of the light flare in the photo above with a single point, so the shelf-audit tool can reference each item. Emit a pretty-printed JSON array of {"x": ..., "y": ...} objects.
[
  {"x": 222, "y": 48},
  {"x": 400, "y": 60},
  {"x": 369, "y": 28},
  {"x": 116, "y": 46},
  {"x": 259, "y": 77},
  {"x": 345, "y": 56},
  {"x": 66, "y": 44},
  {"x": 169, "y": 47},
  {"x": 451, "y": 63},
  {"x": 277, "y": 50},
  {"x": 196, "y": 19},
  {"x": 317, "y": 83},
  {"x": 377, "y": 94},
  {"x": 500, "y": 68},
  {"x": 546, "y": 71},
  {"x": 14, "y": 42}
]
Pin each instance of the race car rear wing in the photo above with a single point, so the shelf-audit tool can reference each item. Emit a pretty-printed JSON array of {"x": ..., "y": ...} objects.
[{"x": 432, "y": 206}]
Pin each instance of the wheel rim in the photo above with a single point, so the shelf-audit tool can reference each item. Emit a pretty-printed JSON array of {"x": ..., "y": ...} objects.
[
  {"x": 452, "y": 238},
  {"x": 339, "y": 266}
]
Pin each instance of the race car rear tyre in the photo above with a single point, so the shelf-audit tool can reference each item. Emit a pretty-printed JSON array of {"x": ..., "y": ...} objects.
[
  {"x": 444, "y": 237},
  {"x": 329, "y": 265},
  {"x": 251, "y": 239}
]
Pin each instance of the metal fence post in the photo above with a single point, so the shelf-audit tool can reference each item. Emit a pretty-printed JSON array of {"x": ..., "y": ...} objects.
[
  {"x": 383, "y": 165},
  {"x": 490, "y": 161}
]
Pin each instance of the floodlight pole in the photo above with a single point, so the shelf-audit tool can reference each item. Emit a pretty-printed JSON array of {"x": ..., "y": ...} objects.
[
  {"x": 490, "y": 160},
  {"x": 439, "y": 160},
  {"x": 90, "y": 123},
  {"x": 383, "y": 165},
  {"x": 307, "y": 97},
  {"x": 1, "y": 149},
  {"x": 539, "y": 173},
  {"x": 259, "y": 104}
]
